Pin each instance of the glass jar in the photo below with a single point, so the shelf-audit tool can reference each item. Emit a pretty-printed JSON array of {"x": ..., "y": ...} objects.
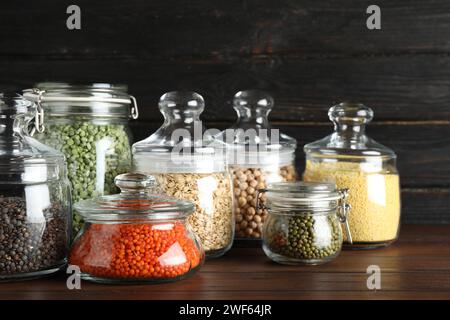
[
  {"x": 136, "y": 236},
  {"x": 257, "y": 156},
  {"x": 89, "y": 124},
  {"x": 368, "y": 169},
  {"x": 187, "y": 165},
  {"x": 35, "y": 206},
  {"x": 303, "y": 226}
]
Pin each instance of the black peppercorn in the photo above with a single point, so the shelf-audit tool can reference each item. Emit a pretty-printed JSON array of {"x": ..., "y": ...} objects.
[{"x": 27, "y": 246}]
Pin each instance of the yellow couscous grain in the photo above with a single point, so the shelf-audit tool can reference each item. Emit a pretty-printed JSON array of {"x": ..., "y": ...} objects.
[{"x": 374, "y": 197}]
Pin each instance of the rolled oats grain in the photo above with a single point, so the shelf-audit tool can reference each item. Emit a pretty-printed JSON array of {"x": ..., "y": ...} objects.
[{"x": 213, "y": 219}]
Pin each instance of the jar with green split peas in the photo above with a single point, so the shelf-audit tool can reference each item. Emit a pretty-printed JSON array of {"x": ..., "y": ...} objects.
[
  {"x": 89, "y": 124},
  {"x": 304, "y": 222},
  {"x": 35, "y": 204},
  {"x": 258, "y": 155},
  {"x": 351, "y": 159}
]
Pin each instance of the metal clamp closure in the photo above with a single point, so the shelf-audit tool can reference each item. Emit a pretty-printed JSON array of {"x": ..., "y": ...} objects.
[
  {"x": 37, "y": 95},
  {"x": 343, "y": 211},
  {"x": 134, "y": 108},
  {"x": 259, "y": 205},
  {"x": 39, "y": 114}
]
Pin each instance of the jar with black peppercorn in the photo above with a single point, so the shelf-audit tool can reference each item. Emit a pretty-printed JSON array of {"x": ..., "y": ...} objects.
[
  {"x": 35, "y": 204},
  {"x": 257, "y": 156},
  {"x": 304, "y": 223}
]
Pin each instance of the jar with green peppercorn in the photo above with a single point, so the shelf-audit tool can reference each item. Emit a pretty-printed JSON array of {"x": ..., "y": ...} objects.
[
  {"x": 304, "y": 222},
  {"x": 89, "y": 124}
]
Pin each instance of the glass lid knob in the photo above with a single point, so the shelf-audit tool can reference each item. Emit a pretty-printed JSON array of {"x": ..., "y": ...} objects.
[
  {"x": 181, "y": 104},
  {"x": 134, "y": 182},
  {"x": 350, "y": 113},
  {"x": 253, "y": 100}
]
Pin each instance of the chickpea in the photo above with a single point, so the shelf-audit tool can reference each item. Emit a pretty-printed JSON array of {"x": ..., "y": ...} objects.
[
  {"x": 247, "y": 183},
  {"x": 242, "y": 177},
  {"x": 243, "y": 186}
]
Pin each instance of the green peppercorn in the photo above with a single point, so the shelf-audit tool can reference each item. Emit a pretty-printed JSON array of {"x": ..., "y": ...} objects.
[
  {"x": 305, "y": 236},
  {"x": 77, "y": 141}
]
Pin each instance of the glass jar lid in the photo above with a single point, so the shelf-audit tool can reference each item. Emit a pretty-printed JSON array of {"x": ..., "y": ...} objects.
[
  {"x": 137, "y": 201},
  {"x": 93, "y": 100},
  {"x": 23, "y": 158},
  {"x": 252, "y": 140},
  {"x": 309, "y": 195},
  {"x": 293, "y": 198},
  {"x": 181, "y": 144},
  {"x": 349, "y": 141}
]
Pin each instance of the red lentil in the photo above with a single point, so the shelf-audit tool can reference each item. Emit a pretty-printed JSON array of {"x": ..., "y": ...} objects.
[{"x": 135, "y": 251}]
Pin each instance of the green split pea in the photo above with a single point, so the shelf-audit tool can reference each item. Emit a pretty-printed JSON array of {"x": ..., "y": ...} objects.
[{"x": 95, "y": 154}]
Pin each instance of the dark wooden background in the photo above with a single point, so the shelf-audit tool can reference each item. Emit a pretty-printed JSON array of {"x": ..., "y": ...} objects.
[{"x": 308, "y": 54}]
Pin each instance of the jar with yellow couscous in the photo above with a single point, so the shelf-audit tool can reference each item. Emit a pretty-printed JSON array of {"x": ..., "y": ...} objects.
[{"x": 352, "y": 160}]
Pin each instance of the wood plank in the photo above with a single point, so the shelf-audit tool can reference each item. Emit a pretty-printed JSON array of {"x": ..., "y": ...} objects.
[
  {"x": 221, "y": 29},
  {"x": 423, "y": 149},
  {"x": 426, "y": 206},
  {"x": 397, "y": 87},
  {"x": 255, "y": 286},
  {"x": 417, "y": 267}
]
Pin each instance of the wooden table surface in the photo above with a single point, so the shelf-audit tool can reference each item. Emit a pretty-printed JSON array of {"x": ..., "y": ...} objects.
[{"x": 416, "y": 267}]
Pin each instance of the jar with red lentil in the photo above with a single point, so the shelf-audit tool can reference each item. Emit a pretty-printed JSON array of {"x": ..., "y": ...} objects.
[
  {"x": 257, "y": 155},
  {"x": 137, "y": 236}
]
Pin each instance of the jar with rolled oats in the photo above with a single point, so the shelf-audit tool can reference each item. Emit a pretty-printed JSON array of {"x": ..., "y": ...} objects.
[
  {"x": 188, "y": 164},
  {"x": 258, "y": 155}
]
